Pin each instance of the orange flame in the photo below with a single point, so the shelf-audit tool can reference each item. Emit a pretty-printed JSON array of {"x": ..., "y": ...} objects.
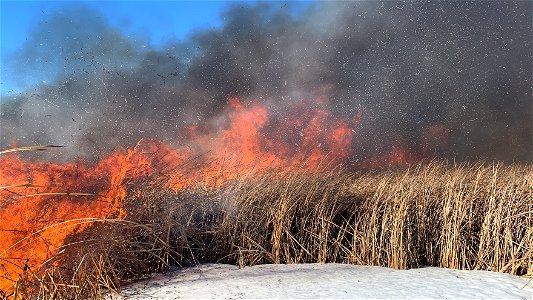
[{"x": 37, "y": 195}]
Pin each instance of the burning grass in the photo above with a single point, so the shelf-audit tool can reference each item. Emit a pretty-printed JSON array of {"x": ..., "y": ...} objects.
[{"x": 471, "y": 216}]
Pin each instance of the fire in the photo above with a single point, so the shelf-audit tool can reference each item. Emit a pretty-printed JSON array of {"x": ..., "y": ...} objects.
[{"x": 43, "y": 194}]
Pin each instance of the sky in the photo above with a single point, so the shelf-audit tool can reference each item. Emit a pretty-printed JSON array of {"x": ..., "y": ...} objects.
[{"x": 156, "y": 22}]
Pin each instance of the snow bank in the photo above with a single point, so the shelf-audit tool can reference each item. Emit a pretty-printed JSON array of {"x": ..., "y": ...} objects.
[{"x": 328, "y": 281}]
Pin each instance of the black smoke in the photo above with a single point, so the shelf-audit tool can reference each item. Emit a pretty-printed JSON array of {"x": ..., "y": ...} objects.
[{"x": 458, "y": 70}]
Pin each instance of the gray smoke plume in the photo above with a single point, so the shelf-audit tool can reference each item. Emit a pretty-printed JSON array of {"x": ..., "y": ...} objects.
[{"x": 449, "y": 78}]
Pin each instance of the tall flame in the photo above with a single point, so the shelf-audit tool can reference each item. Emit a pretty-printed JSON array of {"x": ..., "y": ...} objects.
[{"x": 38, "y": 195}]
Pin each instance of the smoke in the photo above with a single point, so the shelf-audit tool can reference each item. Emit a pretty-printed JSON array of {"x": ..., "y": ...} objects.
[{"x": 453, "y": 78}]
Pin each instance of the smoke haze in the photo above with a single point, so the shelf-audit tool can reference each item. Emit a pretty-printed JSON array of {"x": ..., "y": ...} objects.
[{"x": 451, "y": 78}]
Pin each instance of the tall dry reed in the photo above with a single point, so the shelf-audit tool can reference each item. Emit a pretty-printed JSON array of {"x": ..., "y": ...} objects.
[{"x": 470, "y": 216}]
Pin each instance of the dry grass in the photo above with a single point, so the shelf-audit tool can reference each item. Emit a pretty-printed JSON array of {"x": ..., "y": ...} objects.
[
  {"x": 477, "y": 216},
  {"x": 29, "y": 148}
]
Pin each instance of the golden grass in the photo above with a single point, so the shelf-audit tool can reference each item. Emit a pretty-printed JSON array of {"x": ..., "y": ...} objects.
[
  {"x": 29, "y": 148},
  {"x": 470, "y": 216}
]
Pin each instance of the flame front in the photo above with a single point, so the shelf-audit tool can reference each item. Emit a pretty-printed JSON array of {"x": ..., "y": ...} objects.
[{"x": 37, "y": 200}]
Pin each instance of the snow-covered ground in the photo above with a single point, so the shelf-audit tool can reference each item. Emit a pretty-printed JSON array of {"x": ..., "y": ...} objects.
[{"x": 328, "y": 281}]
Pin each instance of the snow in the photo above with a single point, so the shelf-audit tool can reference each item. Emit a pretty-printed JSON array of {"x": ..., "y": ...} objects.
[{"x": 328, "y": 281}]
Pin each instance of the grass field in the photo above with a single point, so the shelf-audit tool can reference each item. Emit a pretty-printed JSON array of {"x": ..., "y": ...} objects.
[{"x": 468, "y": 216}]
